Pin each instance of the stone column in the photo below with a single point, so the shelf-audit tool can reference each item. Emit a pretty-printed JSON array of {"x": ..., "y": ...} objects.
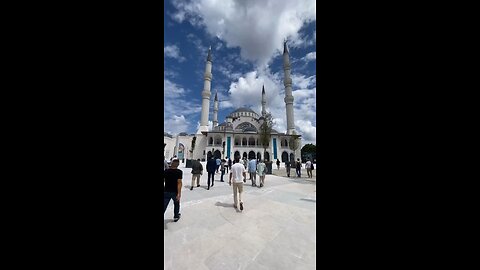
[
  {"x": 206, "y": 94},
  {"x": 288, "y": 91},
  {"x": 264, "y": 102},
  {"x": 215, "y": 111}
]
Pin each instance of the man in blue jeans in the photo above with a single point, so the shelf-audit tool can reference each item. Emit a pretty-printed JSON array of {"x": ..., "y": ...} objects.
[{"x": 173, "y": 188}]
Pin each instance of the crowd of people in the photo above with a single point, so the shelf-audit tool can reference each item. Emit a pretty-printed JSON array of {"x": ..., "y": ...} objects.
[{"x": 238, "y": 168}]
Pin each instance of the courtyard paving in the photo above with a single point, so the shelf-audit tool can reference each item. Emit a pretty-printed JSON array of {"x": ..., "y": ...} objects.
[{"x": 276, "y": 230}]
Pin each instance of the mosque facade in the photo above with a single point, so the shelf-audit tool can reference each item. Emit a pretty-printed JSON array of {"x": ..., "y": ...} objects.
[{"x": 239, "y": 134}]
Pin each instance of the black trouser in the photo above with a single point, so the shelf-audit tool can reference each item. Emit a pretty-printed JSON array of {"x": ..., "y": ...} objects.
[
  {"x": 167, "y": 196},
  {"x": 299, "y": 172},
  {"x": 223, "y": 172},
  {"x": 212, "y": 174}
]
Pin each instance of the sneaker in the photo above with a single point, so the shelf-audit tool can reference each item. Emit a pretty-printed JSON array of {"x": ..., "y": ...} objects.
[
  {"x": 198, "y": 185},
  {"x": 177, "y": 218},
  {"x": 241, "y": 206},
  {"x": 191, "y": 188},
  {"x": 222, "y": 181}
]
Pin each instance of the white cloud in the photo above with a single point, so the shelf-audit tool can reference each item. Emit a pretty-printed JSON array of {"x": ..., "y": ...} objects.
[
  {"x": 311, "y": 56},
  {"x": 172, "y": 89},
  {"x": 257, "y": 27},
  {"x": 301, "y": 81},
  {"x": 174, "y": 52},
  {"x": 176, "y": 124}
]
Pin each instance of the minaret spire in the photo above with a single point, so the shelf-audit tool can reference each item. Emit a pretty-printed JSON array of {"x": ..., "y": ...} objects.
[
  {"x": 264, "y": 101},
  {"x": 288, "y": 90},
  {"x": 209, "y": 57},
  {"x": 285, "y": 48},
  {"x": 206, "y": 93},
  {"x": 215, "y": 110}
]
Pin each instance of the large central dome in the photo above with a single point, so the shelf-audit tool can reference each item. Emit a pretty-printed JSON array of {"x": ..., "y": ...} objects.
[{"x": 243, "y": 110}]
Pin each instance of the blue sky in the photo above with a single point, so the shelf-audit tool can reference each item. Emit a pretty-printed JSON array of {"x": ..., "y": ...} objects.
[{"x": 247, "y": 45}]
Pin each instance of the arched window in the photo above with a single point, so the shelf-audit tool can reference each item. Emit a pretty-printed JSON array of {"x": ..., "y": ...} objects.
[
  {"x": 286, "y": 142},
  {"x": 218, "y": 140},
  {"x": 251, "y": 141},
  {"x": 244, "y": 141},
  {"x": 210, "y": 141},
  {"x": 237, "y": 141}
]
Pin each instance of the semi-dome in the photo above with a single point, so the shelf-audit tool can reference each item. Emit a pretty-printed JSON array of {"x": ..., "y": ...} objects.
[{"x": 250, "y": 129}]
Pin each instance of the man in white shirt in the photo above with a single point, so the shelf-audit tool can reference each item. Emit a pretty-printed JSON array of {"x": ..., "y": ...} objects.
[
  {"x": 236, "y": 172},
  {"x": 308, "y": 166}
]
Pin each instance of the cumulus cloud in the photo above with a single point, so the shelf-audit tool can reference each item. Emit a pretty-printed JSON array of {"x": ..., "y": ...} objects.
[
  {"x": 176, "y": 124},
  {"x": 172, "y": 89},
  {"x": 257, "y": 27},
  {"x": 173, "y": 51},
  {"x": 311, "y": 56}
]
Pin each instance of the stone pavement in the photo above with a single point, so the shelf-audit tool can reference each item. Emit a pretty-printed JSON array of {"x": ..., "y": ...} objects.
[{"x": 276, "y": 230}]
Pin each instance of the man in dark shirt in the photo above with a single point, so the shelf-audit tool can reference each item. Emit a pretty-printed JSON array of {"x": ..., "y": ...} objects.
[
  {"x": 173, "y": 189},
  {"x": 197, "y": 170},
  {"x": 287, "y": 167},
  {"x": 298, "y": 166},
  {"x": 211, "y": 168}
]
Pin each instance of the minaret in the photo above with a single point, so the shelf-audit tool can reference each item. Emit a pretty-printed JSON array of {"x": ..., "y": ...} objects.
[
  {"x": 206, "y": 93},
  {"x": 264, "y": 101},
  {"x": 288, "y": 91},
  {"x": 215, "y": 111}
]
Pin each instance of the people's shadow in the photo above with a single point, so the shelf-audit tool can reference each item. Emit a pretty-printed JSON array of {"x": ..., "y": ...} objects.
[
  {"x": 228, "y": 205},
  {"x": 165, "y": 222}
]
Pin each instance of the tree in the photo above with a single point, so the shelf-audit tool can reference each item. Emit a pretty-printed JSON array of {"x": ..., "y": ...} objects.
[
  {"x": 266, "y": 132},
  {"x": 309, "y": 150}
]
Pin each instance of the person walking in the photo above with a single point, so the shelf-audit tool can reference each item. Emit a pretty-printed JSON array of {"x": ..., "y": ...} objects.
[
  {"x": 252, "y": 169},
  {"x": 236, "y": 173},
  {"x": 298, "y": 167},
  {"x": 197, "y": 171},
  {"x": 222, "y": 169},
  {"x": 287, "y": 167},
  {"x": 218, "y": 162},
  {"x": 172, "y": 189},
  {"x": 308, "y": 166},
  {"x": 261, "y": 170},
  {"x": 211, "y": 166},
  {"x": 278, "y": 164},
  {"x": 228, "y": 164}
]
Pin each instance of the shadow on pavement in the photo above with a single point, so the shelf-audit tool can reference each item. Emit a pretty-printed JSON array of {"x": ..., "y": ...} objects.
[
  {"x": 224, "y": 204},
  {"x": 228, "y": 205},
  {"x": 165, "y": 222}
]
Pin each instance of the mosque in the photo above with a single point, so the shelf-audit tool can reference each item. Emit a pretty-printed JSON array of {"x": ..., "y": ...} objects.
[{"x": 238, "y": 135}]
